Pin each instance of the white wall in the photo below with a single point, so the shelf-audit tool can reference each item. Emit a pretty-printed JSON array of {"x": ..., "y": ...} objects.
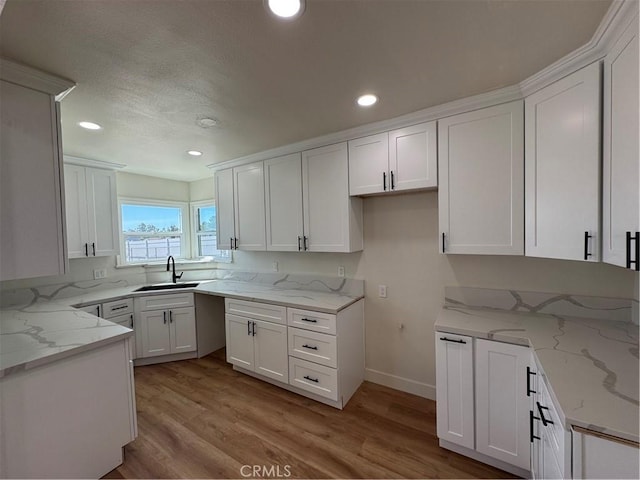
[
  {"x": 142, "y": 186},
  {"x": 201, "y": 190}
]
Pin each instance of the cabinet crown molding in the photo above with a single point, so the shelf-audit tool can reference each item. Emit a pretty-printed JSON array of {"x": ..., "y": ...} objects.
[
  {"x": 88, "y": 162},
  {"x": 35, "y": 79}
]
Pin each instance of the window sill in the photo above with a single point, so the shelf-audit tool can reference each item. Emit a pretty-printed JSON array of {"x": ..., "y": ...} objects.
[{"x": 183, "y": 263}]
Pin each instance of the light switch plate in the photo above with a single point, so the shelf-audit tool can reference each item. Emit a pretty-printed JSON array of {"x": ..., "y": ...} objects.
[
  {"x": 341, "y": 271},
  {"x": 382, "y": 291},
  {"x": 274, "y": 266},
  {"x": 99, "y": 273}
]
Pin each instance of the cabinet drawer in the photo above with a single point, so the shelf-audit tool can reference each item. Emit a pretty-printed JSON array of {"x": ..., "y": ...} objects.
[
  {"x": 256, "y": 310},
  {"x": 157, "y": 302},
  {"x": 316, "y": 321},
  {"x": 117, "y": 307},
  {"x": 315, "y": 347},
  {"x": 313, "y": 378}
]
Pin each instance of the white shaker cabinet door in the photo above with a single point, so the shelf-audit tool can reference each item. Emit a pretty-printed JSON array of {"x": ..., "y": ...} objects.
[
  {"x": 502, "y": 405},
  {"x": 413, "y": 157},
  {"x": 225, "y": 218},
  {"x": 248, "y": 194},
  {"x": 369, "y": 165},
  {"x": 270, "y": 350},
  {"x": 562, "y": 168},
  {"x": 332, "y": 220},
  {"x": 481, "y": 181},
  {"x": 239, "y": 338},
  {"x": 454, "y": 392},
  {"x": 182, "y": 328},
  {"x": 102, "y": 213},
  {"x": 283, "y": 203},
  {"x": 621, "y": 164},
  {"x": 75, "y": 189},
  {"x": 154, "y": 333}
]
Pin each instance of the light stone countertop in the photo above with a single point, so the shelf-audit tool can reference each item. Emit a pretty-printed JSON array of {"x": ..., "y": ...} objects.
[
  {"x": 50, "y": 328},
  {"x": 591, "y": 365}
]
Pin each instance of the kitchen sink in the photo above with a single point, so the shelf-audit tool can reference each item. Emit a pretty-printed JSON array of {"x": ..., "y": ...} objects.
[{"x": 166, "y": 286}]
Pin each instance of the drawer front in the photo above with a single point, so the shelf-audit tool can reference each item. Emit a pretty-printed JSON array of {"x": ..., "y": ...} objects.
[
  {"x": 117, "y": 307},
  {"x": 316, "y": 321},
  {"x": 313, "y": 378},
  {"x": 315, "y": 347},
  {"x": 158, "y": 302},
  {"x": 256, "y": 310}
]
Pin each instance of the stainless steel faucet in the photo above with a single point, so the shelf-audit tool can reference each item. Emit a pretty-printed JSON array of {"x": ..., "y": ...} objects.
[{"x": 174, "y": 277}]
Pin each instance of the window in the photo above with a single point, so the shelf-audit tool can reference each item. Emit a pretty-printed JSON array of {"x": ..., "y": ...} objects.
[
  {"x": 152, "y": 231},
  {"x": 204, "y": 237}
]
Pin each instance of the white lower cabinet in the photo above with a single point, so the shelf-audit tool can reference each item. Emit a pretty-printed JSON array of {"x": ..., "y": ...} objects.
[
  {"x": 316, "y": 354},
  {"x": 257, "y": 345},
  {"x": 164, "y": 325},
  {"x": 486, "y": 414},
  {"x": 599, "y": 456}
]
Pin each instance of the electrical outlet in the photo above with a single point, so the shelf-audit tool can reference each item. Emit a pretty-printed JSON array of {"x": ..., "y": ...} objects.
[
  {"x": 274, "y": 266},
  {"x": 382, "y": 291},
  {"x": 341, "y": 271},
  {"x": 99, "y": 273}
]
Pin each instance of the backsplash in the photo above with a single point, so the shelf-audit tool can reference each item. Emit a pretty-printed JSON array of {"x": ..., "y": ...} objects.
[
  {"x": 21, "y": 296},
  {"x": 603, "y": 308}
]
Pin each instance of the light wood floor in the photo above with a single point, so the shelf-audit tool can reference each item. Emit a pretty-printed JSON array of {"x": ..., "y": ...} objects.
[{"x": 201, "y": 419}]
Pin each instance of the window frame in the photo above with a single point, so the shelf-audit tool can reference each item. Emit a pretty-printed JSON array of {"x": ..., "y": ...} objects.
[
  {"x": 185, "y": 234},
  {"x": 194, "y": 232}
]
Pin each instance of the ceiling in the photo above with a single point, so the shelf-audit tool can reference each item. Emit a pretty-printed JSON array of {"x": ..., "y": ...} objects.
[{"x": 148, "y": 70}]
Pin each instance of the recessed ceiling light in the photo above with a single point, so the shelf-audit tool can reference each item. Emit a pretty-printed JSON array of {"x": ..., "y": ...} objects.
[
  {"x": 286, "y": 8},
  {"x": 90, "y": 125},
  {"x": 367, "y": 100},
  {"x": 194, "y": 153},
  {"x": 206, "y": 122}
]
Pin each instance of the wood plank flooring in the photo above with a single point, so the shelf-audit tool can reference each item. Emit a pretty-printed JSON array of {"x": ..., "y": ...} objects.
[{"x": 201, "y": 419}]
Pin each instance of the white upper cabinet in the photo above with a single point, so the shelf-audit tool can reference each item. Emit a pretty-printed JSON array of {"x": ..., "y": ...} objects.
[
  {"x": 248, "y": 195},
  {"x": 91, "y": 211},
  {"x": 413, "y": 157},
  {"x": 369, "y": 164},
  {"x": 562, "y": 168},
  {"x": 621, "y": 164},
  {"x": 404, "y": 159},
  {"x": 32, "y": 240},
  {"x": 283, "y": 202},
  {"x": 481, "y": 181},
  {"x": 332, "y": 220},
  {"x": 225, "y": 217}
]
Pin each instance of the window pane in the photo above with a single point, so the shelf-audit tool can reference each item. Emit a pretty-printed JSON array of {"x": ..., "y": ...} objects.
[
  {"x": 207, "y": 245},
  {"x": 151, "y": 219},
  {"x": 206, "y": 219},
  {"x": 140, "y": 249}
]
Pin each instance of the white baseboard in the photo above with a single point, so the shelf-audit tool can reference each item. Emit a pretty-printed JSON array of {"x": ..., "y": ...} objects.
[{"x": 400, "y": 383}]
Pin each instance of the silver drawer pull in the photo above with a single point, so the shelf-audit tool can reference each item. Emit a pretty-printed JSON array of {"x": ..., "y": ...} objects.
[
  {"x": 309, "y": 347},
  {"x": 310, "y": 320},
  {"x": 307, "y": 377}
]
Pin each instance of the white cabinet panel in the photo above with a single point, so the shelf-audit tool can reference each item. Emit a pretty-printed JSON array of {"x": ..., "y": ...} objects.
[
  {"x": 413, "y": 161},
  {"x": 239, "y": 341},
  {"x": 313, "y": 378},
  {"x": 621, "y": 167},
  {"x": 502, "y": 405},
  {"x": 332, "y": 220},
  {"x": 225, "y": 217},
  {"x": 248, "y": 194},
  {"x": 454, "y": 393},
  {"x": 481, "y": 181},
  {"x": 154, "y": 334},
  {"x": 31, "y": 208},
  {"x": 270, "y": 350},
  {"x": 283, "y": 203},
  {"x": 369, "y": 164},
  {"x": 182, "y": 329},
  {"x": 562, "y": 190},
  {"x": 596, "y": 456},
  {"x": 91, "y": 212}
]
